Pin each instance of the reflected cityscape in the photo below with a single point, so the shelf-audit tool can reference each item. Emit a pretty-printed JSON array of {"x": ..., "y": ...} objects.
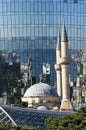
[{"x": 28, "y": 39}]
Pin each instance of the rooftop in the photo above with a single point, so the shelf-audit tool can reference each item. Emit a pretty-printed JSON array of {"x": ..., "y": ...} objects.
[
  {"x": 40, "y": 89},
  {"x": 26, "y": 116}
]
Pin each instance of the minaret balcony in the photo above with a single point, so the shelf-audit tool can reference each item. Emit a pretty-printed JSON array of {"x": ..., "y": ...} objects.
[
  {"x": 57, "y": 67},
  {"x": 64, "y": 60}
]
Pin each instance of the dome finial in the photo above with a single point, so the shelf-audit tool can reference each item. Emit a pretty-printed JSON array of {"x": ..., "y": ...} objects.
[{"x": 41, "y": 78}]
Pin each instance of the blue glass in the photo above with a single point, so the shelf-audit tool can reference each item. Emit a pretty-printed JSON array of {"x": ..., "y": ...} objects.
[
  {"x": 33, "y": 25},
  {"x": 51, "y": 19},
  {"x": 47, "y": 19},
  {"x": 21, "y": 7},
  {"x": 39, "y": 19},
  {"x": 75, "y": 1},
  {"x": 44, "y": 31},
  {"x": 0, "y": 7},
  {"x": 43, "y": 7},
  {"x": 11, "y": 6}
]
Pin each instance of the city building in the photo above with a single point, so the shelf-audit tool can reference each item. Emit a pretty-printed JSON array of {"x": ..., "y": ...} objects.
[{"x": 29, "y": 28}]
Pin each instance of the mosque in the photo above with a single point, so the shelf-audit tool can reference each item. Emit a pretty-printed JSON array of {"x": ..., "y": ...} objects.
[
  {"x": 43, "y": 100},
  {"x": 43, "y": 96}
]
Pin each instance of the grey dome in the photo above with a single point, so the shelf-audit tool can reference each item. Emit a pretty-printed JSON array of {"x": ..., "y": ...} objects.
[
  {"x": 40, "y": 89},
  {"x": 43, "y": 108}
]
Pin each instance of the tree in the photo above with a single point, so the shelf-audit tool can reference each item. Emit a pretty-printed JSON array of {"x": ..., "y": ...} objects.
[{"x": 75, "y": 121}]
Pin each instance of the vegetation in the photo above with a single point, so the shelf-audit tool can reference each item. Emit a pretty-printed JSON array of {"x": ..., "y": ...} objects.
[
  {"x": 8, "y": 127},
  {"x": 75, "y": 121},
  {"x": 19, "y": 103}
]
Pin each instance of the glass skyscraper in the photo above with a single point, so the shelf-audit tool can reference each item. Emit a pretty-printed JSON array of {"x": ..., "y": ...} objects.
[{"x": 29, "y": 29}]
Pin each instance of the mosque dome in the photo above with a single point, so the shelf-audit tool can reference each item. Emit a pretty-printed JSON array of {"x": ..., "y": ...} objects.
[
  {"x": 40, "y": 89},
  {"x": 55, "y": 108},
  {"x": 43, "y": 108}
]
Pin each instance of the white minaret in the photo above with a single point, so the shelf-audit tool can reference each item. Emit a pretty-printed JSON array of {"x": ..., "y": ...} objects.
[
  {"x": 58, "y": 66},
  {"x": 64, "y": 60}
]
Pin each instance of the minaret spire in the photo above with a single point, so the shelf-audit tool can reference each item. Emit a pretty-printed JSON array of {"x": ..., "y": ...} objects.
[
  {"x": 64, "y": 37},
  {"x": 64, "y": 61},
  {"x": 58, "y": 65},
  {"x": 58, "y": 47}
]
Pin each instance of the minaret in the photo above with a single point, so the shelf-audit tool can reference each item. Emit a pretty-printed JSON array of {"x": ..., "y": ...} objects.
[
  {"x": 58, "y": 66},
  {"x": 64, "y": 60}
]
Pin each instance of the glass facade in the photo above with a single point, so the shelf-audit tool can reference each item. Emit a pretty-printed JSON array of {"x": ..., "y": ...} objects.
[{"x": 29, "y": 28}]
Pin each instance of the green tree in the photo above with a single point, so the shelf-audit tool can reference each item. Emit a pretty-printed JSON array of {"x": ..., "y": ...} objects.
[
  {"x": 19, "y": 103},
  {"x": 52, "y": 123},
  {"x": 75, "y": 121}
]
